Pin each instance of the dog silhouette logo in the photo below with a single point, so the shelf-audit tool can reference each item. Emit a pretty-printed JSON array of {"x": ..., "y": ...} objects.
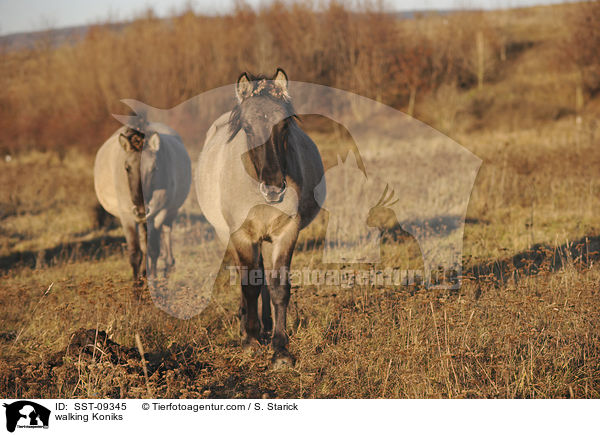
[{"x": 26, "y": 414}]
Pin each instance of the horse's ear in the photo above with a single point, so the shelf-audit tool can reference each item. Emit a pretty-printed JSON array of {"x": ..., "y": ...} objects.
[
  {"x": 281, "y": 81},
  {"x": 154, "y": 142},
  {"x": 280, "y": 75},
  {"x": 244, "y": 87},
  {"x": 124, "y": 141}
]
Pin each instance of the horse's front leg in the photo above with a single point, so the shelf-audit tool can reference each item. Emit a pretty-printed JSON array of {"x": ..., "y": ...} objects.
[
  {"x": 153, "y": 248},
  {"x": 277, "y": 256},
  {"x": 143, "y": 243},
  {"x": 267, "y": 320},
  {"x": 251, "y": 275}
]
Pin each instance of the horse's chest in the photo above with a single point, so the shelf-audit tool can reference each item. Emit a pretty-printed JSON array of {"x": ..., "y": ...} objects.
[{"x": 264, "y": 223}]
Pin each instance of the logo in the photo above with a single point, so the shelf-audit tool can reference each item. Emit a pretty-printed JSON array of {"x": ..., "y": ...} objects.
[
  {"x": 26, "y": 414},
  {"x": 394, "y": 165}
]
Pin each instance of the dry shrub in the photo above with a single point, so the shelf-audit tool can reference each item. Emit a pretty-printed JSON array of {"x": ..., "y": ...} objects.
[
  {"x": 61, "y": 95},
  {"x": 582, "y": 45}
]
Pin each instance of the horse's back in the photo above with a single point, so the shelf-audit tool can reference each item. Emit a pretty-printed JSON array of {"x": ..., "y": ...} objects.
[
  {"x": 209, "y": 173},
  {"x": 104, "y": 174},
  {"x": 160, "y": 128},
  {"x": 180, "y": 165}
]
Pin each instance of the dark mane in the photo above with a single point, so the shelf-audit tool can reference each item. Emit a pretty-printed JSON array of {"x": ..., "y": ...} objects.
[
  {"x": 137, "y": 130},
  {"x": 264, "y": 87},
  {"x": 135, "y": 138}
]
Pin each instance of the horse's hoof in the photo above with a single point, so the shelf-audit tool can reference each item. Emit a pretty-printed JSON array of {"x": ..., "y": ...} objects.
[
  {"x": 282, "y": 359},
  {"x": 265, "y": 336},
  {"x": 139, "y": 293},
  {"x": 151, "y": 282},
  {"x": 250, "y": 344}
]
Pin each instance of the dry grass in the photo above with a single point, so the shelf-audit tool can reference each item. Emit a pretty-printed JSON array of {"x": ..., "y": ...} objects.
[
  {"x": 536, "y": 336},
  {"x": 523, "y": 324}
]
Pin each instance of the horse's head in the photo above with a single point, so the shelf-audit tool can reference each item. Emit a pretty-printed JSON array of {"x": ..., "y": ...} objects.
[
  {"x": 264, "y": 112},
  {"x": 144, "y": 174}
]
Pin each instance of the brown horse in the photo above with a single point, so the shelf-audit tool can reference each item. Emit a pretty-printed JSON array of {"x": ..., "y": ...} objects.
[{"x": 255, "y": 183}]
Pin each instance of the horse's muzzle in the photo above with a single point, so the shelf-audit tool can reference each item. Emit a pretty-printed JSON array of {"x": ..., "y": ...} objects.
[{"x": 273, "y": 194}]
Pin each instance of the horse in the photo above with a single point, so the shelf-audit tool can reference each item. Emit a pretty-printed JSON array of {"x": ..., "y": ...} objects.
[
  {"x": 142, "y": 175},
  {"x": 255, "y": 183}
]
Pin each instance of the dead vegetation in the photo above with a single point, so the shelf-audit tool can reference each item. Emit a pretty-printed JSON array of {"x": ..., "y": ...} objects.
[
  {"x": 524, "y": 323},
  {"x": 397, "y": 61}
]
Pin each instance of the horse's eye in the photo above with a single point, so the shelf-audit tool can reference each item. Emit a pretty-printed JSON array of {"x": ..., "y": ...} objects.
[{"x": 128, "y": 168}]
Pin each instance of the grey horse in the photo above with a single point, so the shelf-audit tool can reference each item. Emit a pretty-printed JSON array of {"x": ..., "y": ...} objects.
[
  {"x": 143, "y": 176},
  {"x": 255, "y": 183}
]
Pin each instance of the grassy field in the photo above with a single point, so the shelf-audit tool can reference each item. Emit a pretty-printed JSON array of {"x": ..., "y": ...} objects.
[{"x": 524, "y": 324}]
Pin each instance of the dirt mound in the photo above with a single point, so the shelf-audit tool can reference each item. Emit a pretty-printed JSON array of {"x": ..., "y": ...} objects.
[
  {"x": 94, "y": 345},
  {"x": 93, "y": 365}
]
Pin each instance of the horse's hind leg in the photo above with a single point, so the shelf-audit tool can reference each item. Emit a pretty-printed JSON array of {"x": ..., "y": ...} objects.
[
  {"x": 154, "y": 237},
  {"x": 133, "y": 249},
  {"x": 167, "y": 248}
]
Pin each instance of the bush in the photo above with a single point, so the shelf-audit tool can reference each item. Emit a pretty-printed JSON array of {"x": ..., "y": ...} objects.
[
  {"x": 62, "y": 95},
  {"x": 583, "y": 44}
]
